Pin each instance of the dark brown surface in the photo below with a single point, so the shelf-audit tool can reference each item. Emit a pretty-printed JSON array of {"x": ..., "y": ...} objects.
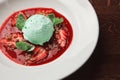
[{"x": 104, "y": 64}]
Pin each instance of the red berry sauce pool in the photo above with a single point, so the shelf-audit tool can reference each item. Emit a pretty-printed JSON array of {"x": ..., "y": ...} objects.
[{"x": 58, "y": 44}]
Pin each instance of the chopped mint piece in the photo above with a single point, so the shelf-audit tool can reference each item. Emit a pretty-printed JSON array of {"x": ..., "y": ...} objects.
[
  {"x": 20, "y": 22},
  {"x": 24, "y": 46},
  {"x": 31, "y": 49},
  {"x": 51, "y": 16},
  {"x": 55, "y": 20}
]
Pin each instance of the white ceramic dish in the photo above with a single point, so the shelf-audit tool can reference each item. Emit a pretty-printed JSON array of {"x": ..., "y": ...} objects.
[{"x": 85, "y": 28}]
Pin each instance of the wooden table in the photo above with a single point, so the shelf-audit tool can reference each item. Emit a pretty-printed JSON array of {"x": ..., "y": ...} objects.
[{"x": 104, "y": 64}]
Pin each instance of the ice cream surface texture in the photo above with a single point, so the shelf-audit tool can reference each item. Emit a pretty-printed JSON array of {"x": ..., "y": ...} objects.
[{"x": 38, "y": 29}]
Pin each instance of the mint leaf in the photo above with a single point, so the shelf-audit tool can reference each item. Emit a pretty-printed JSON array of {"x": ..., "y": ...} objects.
[
  {"x": 20, "y": 22},
  {"x": 24, "y": 46},
  {"x": 57, "y": 21},
  {"x": 54, "y": 19},
  {"x": 51, "y": 16},
  {"x": 32, "y": 48}
]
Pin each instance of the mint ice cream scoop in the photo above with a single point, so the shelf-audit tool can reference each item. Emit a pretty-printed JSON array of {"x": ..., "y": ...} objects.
[{"x": 38, "y": 29}]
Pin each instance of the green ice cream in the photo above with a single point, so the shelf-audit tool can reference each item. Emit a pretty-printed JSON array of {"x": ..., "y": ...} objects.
[{"x": 38, "y": 29}]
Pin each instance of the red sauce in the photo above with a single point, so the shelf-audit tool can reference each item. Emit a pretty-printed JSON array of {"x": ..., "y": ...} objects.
[{"x": 51, "y": 50}]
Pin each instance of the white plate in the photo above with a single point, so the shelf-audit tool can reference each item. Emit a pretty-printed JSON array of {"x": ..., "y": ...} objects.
[{"x": 85, "y": 27}]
